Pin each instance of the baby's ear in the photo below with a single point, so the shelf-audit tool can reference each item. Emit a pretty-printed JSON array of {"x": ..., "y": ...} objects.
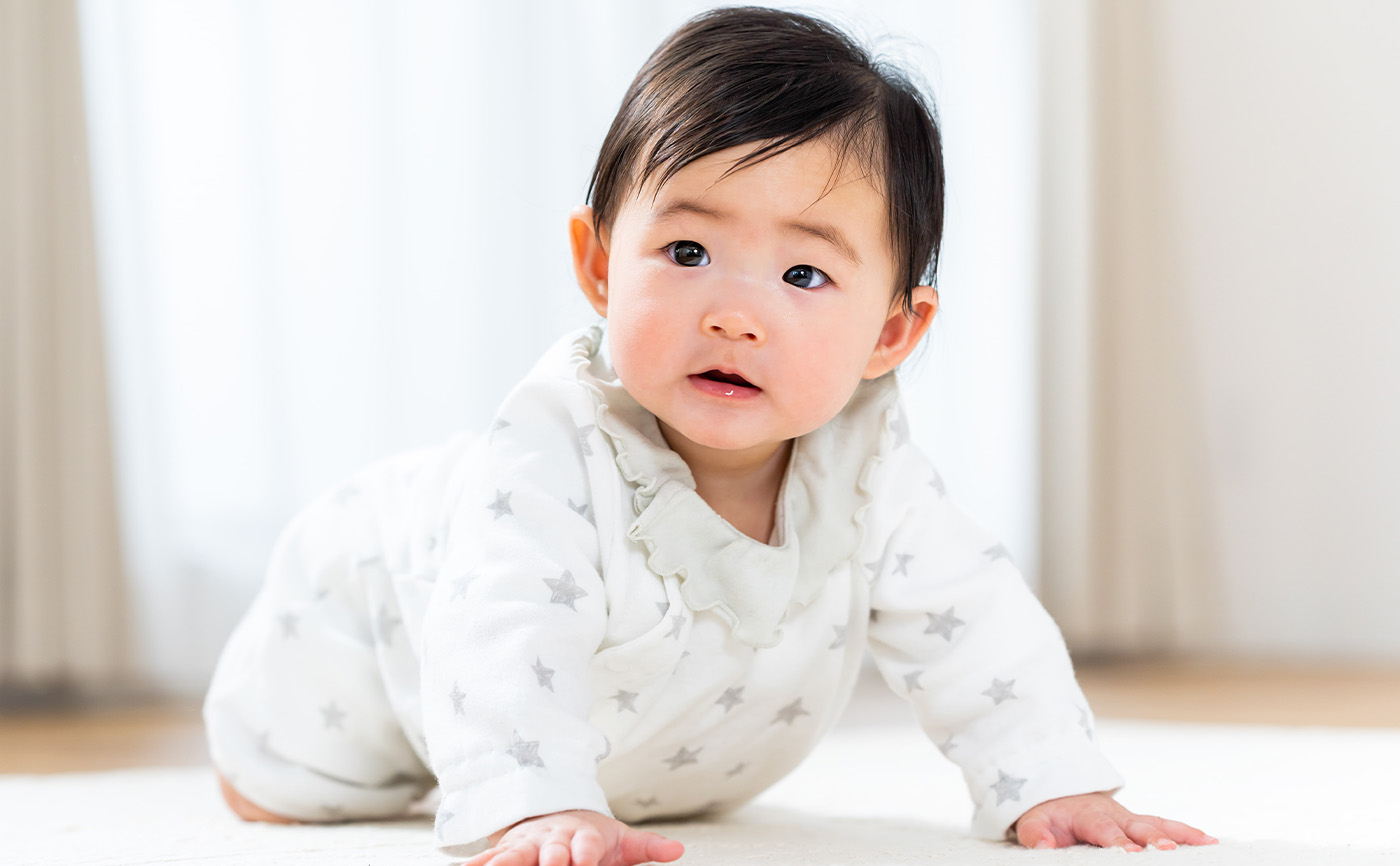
[
  {"x": 902, "y": 332},
  {"x": 590, "y": 258}
]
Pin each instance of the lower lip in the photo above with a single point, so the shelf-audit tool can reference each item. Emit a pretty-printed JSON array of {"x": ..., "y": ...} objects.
[{"x": 724, "y": 390}]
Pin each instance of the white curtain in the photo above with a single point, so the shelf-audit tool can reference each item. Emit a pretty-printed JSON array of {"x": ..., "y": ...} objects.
[
  {"x": 62, "y": 601},
  {"x": 330, "y": 231}
]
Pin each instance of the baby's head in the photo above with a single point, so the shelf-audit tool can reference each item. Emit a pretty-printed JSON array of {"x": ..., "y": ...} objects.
[{"x": 767, "y": 214}]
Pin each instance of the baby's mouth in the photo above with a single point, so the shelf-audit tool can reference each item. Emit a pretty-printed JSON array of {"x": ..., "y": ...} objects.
[{"x": 727, "y": 378}]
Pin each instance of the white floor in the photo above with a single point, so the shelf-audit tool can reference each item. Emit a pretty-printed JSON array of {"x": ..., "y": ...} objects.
[{"x": 870, "y": 794}]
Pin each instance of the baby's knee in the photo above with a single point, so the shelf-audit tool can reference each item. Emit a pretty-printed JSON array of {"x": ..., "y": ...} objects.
[{"x": 245, "y": 808}]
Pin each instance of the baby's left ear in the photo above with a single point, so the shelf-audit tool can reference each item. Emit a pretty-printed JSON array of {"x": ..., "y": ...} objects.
[{"x": 902, "y": 332}]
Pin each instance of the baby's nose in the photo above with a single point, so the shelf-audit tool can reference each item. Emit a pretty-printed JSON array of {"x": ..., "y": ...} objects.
[{"x": 733, "y": 323}]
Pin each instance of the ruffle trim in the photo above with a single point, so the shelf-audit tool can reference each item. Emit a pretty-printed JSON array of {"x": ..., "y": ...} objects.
[{"x": 751, "y": 585}]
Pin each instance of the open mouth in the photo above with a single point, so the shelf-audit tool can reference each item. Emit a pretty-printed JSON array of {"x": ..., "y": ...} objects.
[{"x": 727, "y": 378}]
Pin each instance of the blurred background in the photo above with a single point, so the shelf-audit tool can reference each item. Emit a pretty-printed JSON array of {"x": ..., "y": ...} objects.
[{"x": 248, "y": 247}]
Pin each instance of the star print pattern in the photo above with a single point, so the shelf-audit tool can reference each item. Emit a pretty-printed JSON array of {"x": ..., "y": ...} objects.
[
  {"x": 1000, "y": 691},
  {"x": 790, "y": 713},
  {"x": 997, "y": 551},
  {"x": 677, "y": 620},
  {"x": 624, "y": 700},
  {"x": 543, "y": 675},
  {"x": 501, "y": 506},
  {"x": 943, "y": 624},
  {"x": 912, "y": 625},
  {"x": 497, "y": 426},
  {"x": 526, "y": 754},
  {"x": 585, "y": 511},
  {"x": 682, "y": 757},
  {"x": 564, "y": 591},
  {"x": 333, "y": 716},
  {"x": 1007, "y": 787},
  {"x": 731, "y": 698}
]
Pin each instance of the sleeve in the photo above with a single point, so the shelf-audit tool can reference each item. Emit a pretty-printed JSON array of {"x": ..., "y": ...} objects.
[
  {"x": 515, "y": 617},
  {"x": 956, "y": 630}
]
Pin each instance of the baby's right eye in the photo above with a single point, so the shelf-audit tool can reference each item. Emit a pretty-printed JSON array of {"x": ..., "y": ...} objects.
[{"x": 687, "y": 254}]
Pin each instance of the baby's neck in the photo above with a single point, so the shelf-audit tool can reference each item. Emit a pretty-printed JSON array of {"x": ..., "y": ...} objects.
[{"x": 741, "y": 487}]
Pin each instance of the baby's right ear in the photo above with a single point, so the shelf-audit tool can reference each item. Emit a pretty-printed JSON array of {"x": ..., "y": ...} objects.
[{"x": 590, "y": 258}]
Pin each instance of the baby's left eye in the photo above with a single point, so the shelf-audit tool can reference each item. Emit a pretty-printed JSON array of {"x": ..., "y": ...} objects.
[{"x": 805, "y": 277}]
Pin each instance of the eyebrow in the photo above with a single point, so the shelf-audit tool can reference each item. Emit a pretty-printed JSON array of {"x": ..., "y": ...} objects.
[{"x": 822, "y": 231}]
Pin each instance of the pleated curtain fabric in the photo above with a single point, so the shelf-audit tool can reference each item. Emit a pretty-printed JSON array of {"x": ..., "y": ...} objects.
[
  {"x": 62, "y": 600},
  {"x": 1129, "y": 563}
]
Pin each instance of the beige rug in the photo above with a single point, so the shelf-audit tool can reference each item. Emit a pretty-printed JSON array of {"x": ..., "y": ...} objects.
[{"x": 877, "y": 795}]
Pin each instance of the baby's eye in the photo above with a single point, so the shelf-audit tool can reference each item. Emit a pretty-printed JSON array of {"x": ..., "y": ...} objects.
[
  {"x": 805, "y": 277},
  {"x": 687, "y": 253}
]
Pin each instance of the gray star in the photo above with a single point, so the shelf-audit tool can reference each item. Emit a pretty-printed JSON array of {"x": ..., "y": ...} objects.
[
  {"x": 903, "y": 566},
  {"x": 498, "y": 424},
  {"x": 544, "y": 675},
  {"x": 942, "y": 624},
  {"x": 947, "y": 745},
  {"x": 526, "y": 754},
  {"x": 624, "y": 700},
  {"x": 911, "y": 681},
  {"x": 501, "y": 507},
  {"x": 443, "y": 817},
  {"x": 997, "y": 551},
  {"x": 677, "y": 620},
  {"x": 457, "y": 696},
  {"x": 607, "y": 750},
  {"x": 459, "y": 586},
  {"x": 333, "y": 716},
  {"x": 731, "y": 698},
  {"x": 938, "y": 486},
  {"x": 289, "y": 624},
  {"x": 663, "y": 606},
  {"x": 386, "y": 624},
  {"x": 1084, "y": 723},
  {"x": 585, "y": 511},
  {"x": 876, "y": 567},
  {"x": 1007, "y": 788},
  {"x": 840, "y": 637},
  {"x": 564, "y": 591},
  {"x": 583, "y": 433},
  {"x": 682, "y": 757},
  {"x": 738, "y": 768},
  {"x": 900, "y": 428},
  {"x": 1000, "y": 691},
  {"x": 648, "y": 802},
  {"x": 790, "y": 713}
]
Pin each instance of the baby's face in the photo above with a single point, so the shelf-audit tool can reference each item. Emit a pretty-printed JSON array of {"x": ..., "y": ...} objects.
[{"x": 744, "y": 311}]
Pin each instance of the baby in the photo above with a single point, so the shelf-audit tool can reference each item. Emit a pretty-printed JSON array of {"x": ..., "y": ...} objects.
[{"x": 648, "y": 589}]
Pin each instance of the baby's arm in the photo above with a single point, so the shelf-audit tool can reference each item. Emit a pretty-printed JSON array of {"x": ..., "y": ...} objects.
[
  {"x": 1100, "y": 820},
  {"x": 575, "y": 838}
]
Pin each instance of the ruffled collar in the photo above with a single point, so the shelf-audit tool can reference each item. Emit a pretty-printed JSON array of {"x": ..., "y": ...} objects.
[{"x": 821, "y": 505}]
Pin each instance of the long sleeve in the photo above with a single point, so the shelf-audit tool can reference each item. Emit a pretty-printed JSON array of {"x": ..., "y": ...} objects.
[
  {"x": 956, "y": 630},
  {"x": 514, "y": 620}
]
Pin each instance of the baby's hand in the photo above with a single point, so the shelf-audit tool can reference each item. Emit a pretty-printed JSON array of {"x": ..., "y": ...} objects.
[
  {"x": 1100, "y": 820},
  {"x": 577, "y": 838}
]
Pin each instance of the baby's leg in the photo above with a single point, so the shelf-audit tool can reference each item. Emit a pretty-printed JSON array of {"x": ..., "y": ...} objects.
[{"x": 299, "y": 721}]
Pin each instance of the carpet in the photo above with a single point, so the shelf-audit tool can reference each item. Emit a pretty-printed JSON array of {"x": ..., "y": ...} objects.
[{"x": 876, "y": 795}]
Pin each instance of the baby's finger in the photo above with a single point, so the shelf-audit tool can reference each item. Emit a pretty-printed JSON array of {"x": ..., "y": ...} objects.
[
  {"x": 639, "y": 846},
  {"x": 1103, "y": 831},
  {"x": 519, "y": 854},
  {"x": 1034, "y": 831},
  {"x": 482, "y": 858},
  {"x": 1146, "y": 831},
  {"x": 555, "y": 852},
  {"x": 587, "y": 847},
  {"x": 1185, "y": 833}
]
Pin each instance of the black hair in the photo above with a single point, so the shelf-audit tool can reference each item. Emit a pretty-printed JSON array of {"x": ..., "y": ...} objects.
[{"x": 746, "y": 74}]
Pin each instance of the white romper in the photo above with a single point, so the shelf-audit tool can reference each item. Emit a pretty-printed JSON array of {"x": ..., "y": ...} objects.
[{"x": 549, "y": 617}]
